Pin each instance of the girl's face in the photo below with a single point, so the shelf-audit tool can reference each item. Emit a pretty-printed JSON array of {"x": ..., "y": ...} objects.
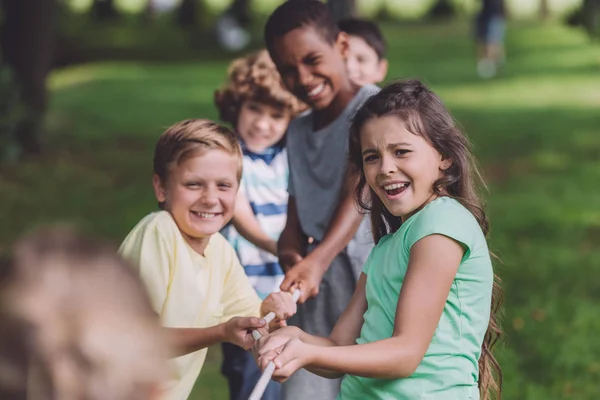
[
  {"x": 261, "y": 125},
  {"x": 399, "y": 166},
  {"x": 311, "y": 68},
  {"x": 200, "y": 194}
]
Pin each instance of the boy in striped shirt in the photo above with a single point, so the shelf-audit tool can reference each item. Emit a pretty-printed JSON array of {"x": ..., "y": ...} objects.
[{"x": 255, "y": 102}]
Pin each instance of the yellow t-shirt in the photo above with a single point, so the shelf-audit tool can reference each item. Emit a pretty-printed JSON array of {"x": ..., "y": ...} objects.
[{"x": 188, "y": 290}]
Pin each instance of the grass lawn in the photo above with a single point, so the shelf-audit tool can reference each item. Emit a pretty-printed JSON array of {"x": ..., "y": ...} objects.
[{"x": 536, "y": 130}]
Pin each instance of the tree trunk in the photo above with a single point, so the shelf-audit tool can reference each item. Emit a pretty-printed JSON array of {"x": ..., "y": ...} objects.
[
  {"x": 187, "y": 14},
  {"x": 341, "y": 9},
  {"x": 27, "y": 39},
  {"x": 544, "y": 9},
  {"x": 104, "y": 10}
]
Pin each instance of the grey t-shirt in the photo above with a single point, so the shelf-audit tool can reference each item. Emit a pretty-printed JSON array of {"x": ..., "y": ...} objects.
[{"x": 318, "y": 163}]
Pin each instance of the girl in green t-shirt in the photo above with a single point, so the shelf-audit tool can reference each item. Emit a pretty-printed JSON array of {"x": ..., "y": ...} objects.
[{"x": 422, "y": 321}]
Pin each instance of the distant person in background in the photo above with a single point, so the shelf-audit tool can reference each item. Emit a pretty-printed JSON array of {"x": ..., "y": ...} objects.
[
  {"x": 489, "y": 32},
  {"x": 76, "y": 323},
  {"x": 366, "y": 61},
  {"x": 231, "y": 28}
]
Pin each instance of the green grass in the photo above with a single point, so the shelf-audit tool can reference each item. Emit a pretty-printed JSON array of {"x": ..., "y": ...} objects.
[{"x": 536, "y": 130}]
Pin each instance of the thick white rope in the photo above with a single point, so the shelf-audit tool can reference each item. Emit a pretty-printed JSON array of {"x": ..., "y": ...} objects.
[{"x": 262, "y": 383}]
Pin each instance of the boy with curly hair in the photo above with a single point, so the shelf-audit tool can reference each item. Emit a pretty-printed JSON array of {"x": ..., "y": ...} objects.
[{"x": 254, "y": 101}]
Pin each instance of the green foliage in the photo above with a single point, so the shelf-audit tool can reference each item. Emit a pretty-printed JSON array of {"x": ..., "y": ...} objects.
[{"x": 536, "y": 134}]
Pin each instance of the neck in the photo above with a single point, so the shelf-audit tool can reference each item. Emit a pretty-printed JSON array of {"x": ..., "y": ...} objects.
[
  {"x": 344, "y": 96},
  {"x": 198, "y": 245}
]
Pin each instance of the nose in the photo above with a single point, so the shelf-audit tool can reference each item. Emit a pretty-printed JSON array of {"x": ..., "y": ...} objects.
[
  {"x": 209, "y": 196},
  {"x": 304, "y": 75},
  {"x": 261, "y": 123},
  {"x": 388, "y": 166}
]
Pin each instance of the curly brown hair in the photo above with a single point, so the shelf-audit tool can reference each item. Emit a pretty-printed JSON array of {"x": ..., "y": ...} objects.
[{"x": 254, "y": 77}]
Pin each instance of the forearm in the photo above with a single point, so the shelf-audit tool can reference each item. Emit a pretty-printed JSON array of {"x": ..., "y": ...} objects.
[
  {"x": 386, "y": 359},
  {"x": 247, "y": 225},
  {"x": 188, "y": 340},
  {"x": 341, "y": 230},
  {"x": 292, "y": 238},
  {"x": 257, "y": 237}
]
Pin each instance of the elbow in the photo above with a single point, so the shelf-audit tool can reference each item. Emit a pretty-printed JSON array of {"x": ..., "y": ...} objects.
[{"x": 404, "y": 366}]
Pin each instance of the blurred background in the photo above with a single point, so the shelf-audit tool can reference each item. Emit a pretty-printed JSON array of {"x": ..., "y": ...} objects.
[{"x": 87, "y": 86}]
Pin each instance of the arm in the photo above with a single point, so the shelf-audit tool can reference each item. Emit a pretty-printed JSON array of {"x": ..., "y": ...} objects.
[
  {"x": 433, "y": 264},
  {"x": 246, "y": 224},
  {"x": 292, "y": 242},
  {"x": 307, "y": 274},
  {"x": 236, "y": 330}
]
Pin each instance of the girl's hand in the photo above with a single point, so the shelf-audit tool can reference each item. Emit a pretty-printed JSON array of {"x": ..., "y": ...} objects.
[
  {"x": 280, "y": 303},
  {"x": 288, "y": 359},
  {"x": 238, "y": 330},
  {"x": 275, "y": 340}
]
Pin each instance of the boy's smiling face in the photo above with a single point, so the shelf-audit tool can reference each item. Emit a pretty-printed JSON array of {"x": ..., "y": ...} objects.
[
  {"x": 200, "y": 194},
  {"x": 311, "y": 68}
]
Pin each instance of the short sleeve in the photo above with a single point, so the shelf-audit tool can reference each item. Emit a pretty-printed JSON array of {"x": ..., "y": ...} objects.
[
  {"x": 367, "y": 266},
  {"x": 443, "y": 217},
  {"x": 239, "y": 297},
  {"x": 150, "y": 252}
]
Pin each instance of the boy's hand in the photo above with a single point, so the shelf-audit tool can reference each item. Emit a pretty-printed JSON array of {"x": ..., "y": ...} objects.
[
  {"x": 281, "y": 304},
  {"x": 238, "y": 330},
  {"x": 289, "y": 258},
  {"x": 306, "y": 276}
]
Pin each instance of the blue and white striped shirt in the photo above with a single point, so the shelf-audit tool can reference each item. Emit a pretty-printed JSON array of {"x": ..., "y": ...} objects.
[{"x": 264, "y": 183}]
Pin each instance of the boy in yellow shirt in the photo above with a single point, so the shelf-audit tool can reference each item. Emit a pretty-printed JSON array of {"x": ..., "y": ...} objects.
[{"x": 195, "y": 281}]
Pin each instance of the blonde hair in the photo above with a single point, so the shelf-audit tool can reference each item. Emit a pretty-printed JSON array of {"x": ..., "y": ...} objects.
[
  {"x": 186, "y": 138},
  {"x": 82, "y": 321},
  {"x": 254, "y": 77}
]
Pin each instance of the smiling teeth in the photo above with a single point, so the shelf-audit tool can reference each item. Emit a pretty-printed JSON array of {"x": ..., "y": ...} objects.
[
  {"x": 317, "y": 90},
  {"x": 205, "y": 215},
  {"x": 395, "y": 186}
]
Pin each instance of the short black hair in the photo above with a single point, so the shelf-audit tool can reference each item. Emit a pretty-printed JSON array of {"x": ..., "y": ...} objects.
[
  {"x": 294, "y": 14},
  {"x": 367, "y": 31}
]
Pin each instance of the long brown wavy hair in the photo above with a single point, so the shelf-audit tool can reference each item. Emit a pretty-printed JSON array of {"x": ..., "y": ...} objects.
[{"x": 424, "y": 114}]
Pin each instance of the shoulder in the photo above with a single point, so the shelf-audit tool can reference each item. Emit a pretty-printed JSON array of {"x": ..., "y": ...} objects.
[
  {"x": 157, "y": 226},
  {"x": 445, "y": 216},
  {"x": 302, "y": 123}
]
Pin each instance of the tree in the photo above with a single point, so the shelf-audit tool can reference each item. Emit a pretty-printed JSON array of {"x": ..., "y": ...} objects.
[
  {"x": 26, "y": 39},
  {"x": 104, "y": 10}
]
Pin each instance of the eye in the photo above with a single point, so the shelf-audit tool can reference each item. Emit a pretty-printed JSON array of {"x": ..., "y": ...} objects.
[
  {"x": 193, "y": 185},
  {"x": 401, "y": 152},
  {"x": 277, "y": 116},
  {"x": 371, "y": 158},
  {"x": 313, "y": 60},
  {"x": 253, "y": 107},
  {"x": 224, "y": 185}
]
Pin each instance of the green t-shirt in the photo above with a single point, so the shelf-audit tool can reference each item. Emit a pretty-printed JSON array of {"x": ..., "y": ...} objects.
[{"x": 449, "y": 369}]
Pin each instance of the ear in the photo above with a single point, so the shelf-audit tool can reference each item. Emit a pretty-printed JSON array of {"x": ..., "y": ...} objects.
[
  {"x": 343, "y": 43},
  {"x": 159, "y": 189},
  {"x": 445, "y": 164},
  {"x": 383, "y": 69}
]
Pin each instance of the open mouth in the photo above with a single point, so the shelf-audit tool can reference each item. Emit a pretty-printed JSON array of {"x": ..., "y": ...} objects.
[
  {"x": 316, "y": 91},
  {"x": 205, "y": 215},
  {"x": 394, "y": 189}
]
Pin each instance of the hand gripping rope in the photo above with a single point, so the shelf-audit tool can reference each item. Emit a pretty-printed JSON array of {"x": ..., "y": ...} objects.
[{"x": 262, "y": 383}]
